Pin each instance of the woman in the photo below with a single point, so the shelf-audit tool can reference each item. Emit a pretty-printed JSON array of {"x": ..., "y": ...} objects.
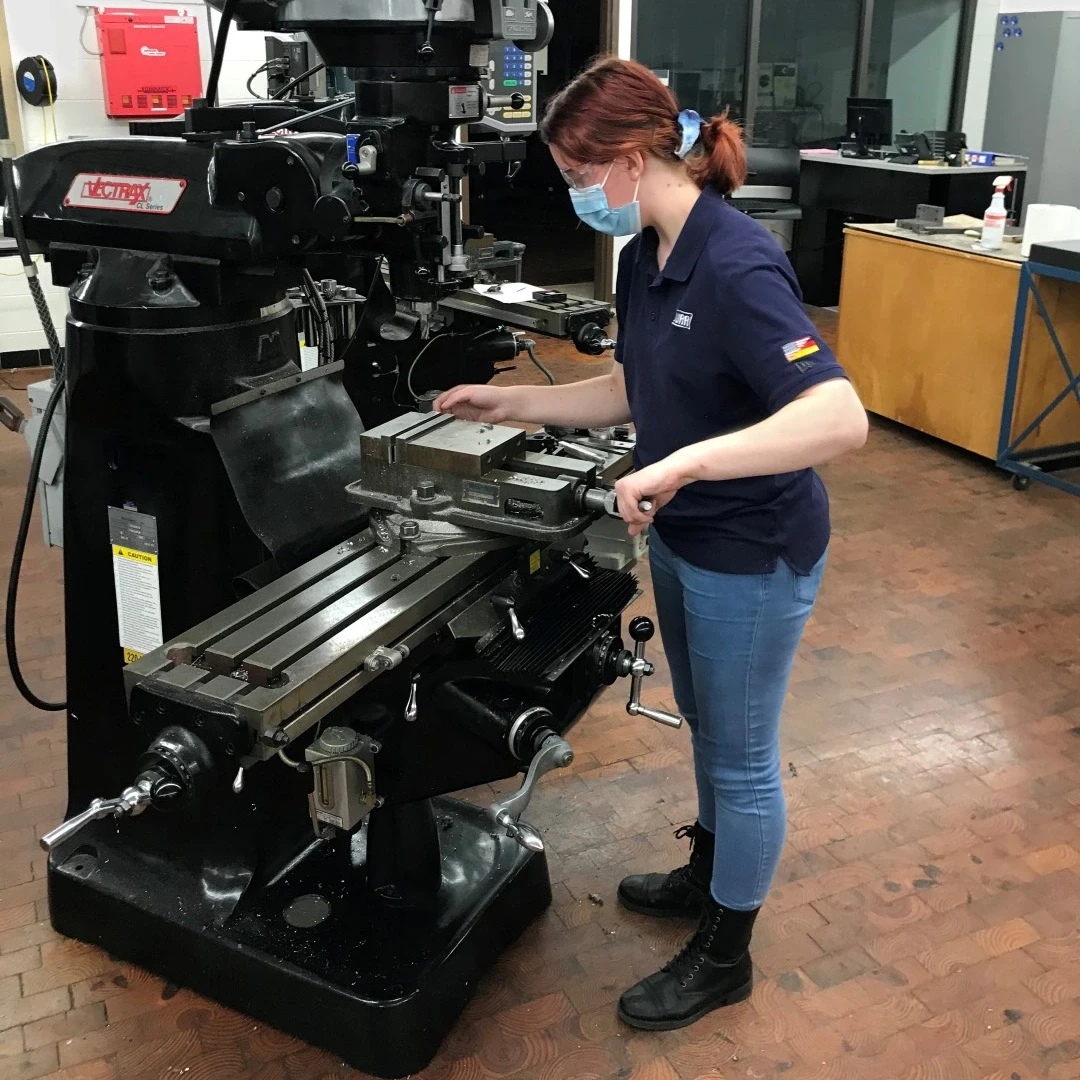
[{"x": 735, "y": 398}]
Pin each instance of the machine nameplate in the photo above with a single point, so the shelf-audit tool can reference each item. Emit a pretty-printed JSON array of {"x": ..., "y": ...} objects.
[
  {"x": 134, "y": 539},
  {"x": 134, "y": 194},
  {"x": 482, "y": 494}
]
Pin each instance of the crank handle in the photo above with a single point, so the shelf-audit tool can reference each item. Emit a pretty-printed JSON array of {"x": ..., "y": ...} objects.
[
  {"x": 556, "y": 753},
  {"x": 524, "y": 834},
  {"x": 661, "y": 717},
  {"x": 133, "y": 801}
]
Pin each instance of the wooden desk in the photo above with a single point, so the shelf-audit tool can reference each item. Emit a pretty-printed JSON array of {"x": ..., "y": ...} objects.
[
  {"x": 835, "y": 191},
  {"x": 925, "y": 330}
]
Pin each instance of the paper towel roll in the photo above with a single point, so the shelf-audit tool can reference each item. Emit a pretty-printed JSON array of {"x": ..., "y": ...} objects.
[{"x": 1047, "y": 223}]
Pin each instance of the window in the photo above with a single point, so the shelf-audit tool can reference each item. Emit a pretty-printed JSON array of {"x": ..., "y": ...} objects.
[
  {"x": 811, "y": 56},
  {"x": 699, "y": 48},
  {"x": 913, "y": 47},
  {"x": 805, "y": 71}
]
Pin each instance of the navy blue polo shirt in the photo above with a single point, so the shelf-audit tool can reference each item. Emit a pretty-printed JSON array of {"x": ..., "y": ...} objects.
[{"x": 715, "y": 342}]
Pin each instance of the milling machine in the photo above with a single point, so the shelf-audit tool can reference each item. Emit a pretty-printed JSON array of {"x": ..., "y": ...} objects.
[{"x": 301, "y": 610}]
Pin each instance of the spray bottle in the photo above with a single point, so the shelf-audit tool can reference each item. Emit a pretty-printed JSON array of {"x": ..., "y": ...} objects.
[{"x": 993, "y": 234}]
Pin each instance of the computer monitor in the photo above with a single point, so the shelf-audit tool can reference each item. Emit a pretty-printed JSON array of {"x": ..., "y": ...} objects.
[{"x": 870, "y": 122}]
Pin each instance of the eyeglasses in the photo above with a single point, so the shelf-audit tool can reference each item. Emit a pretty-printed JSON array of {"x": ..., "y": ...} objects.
[{"x": 579, "y": 178}]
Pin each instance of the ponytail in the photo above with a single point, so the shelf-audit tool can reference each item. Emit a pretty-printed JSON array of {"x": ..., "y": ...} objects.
[
  {"x": 617, "y": 107},
  {"x": 720, "y": 159}
]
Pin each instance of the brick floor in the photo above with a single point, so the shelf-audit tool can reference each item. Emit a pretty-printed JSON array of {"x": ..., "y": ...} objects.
[{"x": 926, "y": 923}]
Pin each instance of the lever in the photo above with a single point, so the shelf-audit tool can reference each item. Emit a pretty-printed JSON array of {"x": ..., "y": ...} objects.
[
  {"x": 555, "y": 753},
  {"x": 638, "y": 668},
  {"x": 578, "y": 568},
  {"x": 238, "y": 782},
  {"x": 132, "y": 802},
  {"x": 411, "y": 708},
  {"x": 506, "y": 603}
]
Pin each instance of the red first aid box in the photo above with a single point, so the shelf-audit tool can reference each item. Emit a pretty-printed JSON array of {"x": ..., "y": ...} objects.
[{"x": 149, "y": 61}]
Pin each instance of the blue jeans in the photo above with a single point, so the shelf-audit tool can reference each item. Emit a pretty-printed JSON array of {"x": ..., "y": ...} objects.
[{"x": 730, "y": 641}]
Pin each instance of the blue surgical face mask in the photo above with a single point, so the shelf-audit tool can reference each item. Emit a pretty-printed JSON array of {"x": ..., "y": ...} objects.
[{"x": 592, "y": 206}]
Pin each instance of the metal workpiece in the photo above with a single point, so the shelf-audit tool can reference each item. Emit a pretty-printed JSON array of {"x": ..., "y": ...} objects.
[
  {"x": 313, "y": 639},
  {"x": 566, "y": 319}
]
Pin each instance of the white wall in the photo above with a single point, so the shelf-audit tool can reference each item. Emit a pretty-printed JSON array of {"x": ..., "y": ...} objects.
[
  {"x": 982, "y": 57},
  {"x": 624, "y": 33},
  {"x": 1015, "y": 6},
  {"x": 51, "y": 28}
]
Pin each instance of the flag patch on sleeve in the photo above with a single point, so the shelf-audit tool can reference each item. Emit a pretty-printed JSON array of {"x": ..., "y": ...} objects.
[{"x": 801, "y": 349}]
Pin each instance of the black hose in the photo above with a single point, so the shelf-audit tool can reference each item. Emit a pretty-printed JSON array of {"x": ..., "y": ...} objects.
[
  {"x": 279, "y": 94},
  {"x": 20, "y": 550},
  {"x": 30, "y": 269},
  {"x": 228, "y": 9},
  {"x": 318, "y": 307},
  {"x": 15, "y": 213}
]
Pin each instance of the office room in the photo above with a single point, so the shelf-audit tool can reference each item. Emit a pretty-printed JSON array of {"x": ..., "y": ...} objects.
[{"x": 643, "y": 648}]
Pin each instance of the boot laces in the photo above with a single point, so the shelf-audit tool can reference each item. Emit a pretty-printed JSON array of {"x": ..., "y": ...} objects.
[{"x": 687, "y": 962}]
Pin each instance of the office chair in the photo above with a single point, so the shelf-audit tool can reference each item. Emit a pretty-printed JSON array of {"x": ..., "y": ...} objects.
[{"x": 771, "y": 191}]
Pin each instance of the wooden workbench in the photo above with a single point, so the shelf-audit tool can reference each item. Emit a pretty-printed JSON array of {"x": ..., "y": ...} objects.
[{"x": 925, "y": 331}]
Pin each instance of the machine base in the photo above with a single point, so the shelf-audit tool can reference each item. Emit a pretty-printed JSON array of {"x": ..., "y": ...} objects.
[{"x": 378, "y": 985}]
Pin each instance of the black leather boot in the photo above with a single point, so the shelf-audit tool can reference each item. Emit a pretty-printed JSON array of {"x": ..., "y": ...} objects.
[
  {"x": 683, "y": 890},
  {"x": 713, "y": 969}
]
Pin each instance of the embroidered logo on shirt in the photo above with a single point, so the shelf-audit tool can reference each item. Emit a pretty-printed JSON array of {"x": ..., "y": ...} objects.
[
  {"x": 683, "y": 319},
  {"x": 801, "y": 349}
]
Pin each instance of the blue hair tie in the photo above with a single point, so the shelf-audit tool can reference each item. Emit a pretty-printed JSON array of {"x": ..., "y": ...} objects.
[{"x": 690, "y": 123}]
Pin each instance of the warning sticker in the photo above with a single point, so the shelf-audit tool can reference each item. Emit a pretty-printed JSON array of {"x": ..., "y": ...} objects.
[{"x": 135, "y": 574}]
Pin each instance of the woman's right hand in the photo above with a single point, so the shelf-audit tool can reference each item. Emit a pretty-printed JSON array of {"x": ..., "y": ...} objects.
[{"x": 481, "y": 404}]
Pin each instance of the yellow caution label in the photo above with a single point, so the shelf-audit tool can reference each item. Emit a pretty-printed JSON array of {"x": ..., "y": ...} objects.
[
  {"x": 534, "y": 562},
  {"x": 130, "y": 656},
  {"x": 136, "y": 556}
]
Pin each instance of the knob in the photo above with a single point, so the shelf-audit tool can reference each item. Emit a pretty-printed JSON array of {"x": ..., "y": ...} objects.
[{"x": 642, "y": 629}]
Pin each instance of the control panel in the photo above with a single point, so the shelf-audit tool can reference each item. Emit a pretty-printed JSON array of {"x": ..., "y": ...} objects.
[
  {"x": 150, "y": 63},
  {"x": 510, "y": 71}
]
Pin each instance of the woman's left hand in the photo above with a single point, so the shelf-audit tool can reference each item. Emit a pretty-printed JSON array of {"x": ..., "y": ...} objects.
[{"x": 658, "y": 484}]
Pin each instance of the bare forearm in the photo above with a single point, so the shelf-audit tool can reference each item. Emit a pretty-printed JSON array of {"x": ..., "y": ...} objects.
[
  {"x": 594, "y": 403},
  {"x": 808, "y": 432}
]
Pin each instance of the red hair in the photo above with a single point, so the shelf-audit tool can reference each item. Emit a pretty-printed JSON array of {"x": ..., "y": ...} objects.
[{"x": 616, "y": 107}]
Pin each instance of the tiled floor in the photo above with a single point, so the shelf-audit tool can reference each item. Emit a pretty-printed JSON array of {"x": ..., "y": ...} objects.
[{"x": 926, "y": 924}]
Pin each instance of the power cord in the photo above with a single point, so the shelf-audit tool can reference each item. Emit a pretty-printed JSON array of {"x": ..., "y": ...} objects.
[
  {"x": 530, "y": 347},
  {"x": 278, "y": 95},
  {"x": 20, "y": 550},
  {"x": 30, "y": 269}
]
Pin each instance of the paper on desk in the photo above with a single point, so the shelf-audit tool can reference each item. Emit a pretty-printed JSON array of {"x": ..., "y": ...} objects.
[
  {"x": 963, "y": 221},
  {"x": 508, "y": 292}
]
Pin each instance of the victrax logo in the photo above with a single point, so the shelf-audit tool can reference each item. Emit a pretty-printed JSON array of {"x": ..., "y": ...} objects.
[
  {"x": 138, "y": 194},
  {"x": 146, "y": 50},
  {"x": 125, "y": 191}
]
